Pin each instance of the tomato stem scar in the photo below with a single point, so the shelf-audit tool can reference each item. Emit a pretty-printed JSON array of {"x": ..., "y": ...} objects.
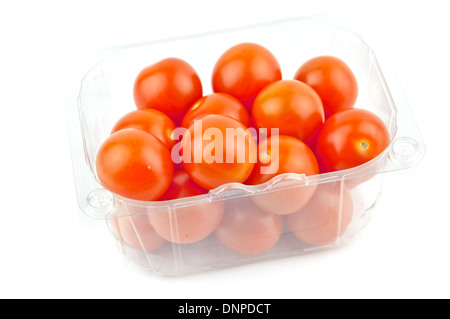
[{"x": 364, "y": 145}]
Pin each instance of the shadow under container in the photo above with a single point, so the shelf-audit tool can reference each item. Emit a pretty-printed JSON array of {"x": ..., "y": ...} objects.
[{"x": 235, "y": 223}]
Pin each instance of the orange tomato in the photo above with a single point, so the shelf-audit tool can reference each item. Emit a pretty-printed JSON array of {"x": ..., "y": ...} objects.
[
  {"x": 170, "y": 86},
  {"x": 244, "y": 70},
  {"x": 182, "y": 186},
  {"x": 333, "y": 80},
  {"x": 279, "y": 155},
  {"x": 282, "y": 154},
  {"x": 188, "y": 224},
  {"x": 216, "y": 103},
  {"x": 218, "y": 150},
  {"x": 150, "y": 121},
  {"x": 290, "y": 106},
  {"x": 350, "y": 138},
  {"x": 135, "y": 164}
]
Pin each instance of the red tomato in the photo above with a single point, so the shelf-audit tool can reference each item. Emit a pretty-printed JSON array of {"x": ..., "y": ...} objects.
[
  {"x": 170, "y": 86},
  {"x": 135, "y": 164},
  {"x": 217, "y": 103},
  {"x": 291, "y": 106},
  {"x": 186, "y": 224},
  {"x": 333, "y": 80},
  {"x": 150, "y": 121},
  {"x": 249, "y": 230},
  {"x": 244, "y": 70},
  {"x": 325, "y": 218},
  {"x": 136, "y": 232},
  {"x": 282, "y": 154},
  {"x": 350, "y": 138},
  {"x": 182, "y": 186},
  {"x": 218, "y": 150},
  {"x": 279, "y": 155}
]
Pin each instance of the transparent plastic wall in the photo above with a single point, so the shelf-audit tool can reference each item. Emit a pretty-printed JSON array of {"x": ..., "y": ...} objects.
[{"x": 291, "y": 214}]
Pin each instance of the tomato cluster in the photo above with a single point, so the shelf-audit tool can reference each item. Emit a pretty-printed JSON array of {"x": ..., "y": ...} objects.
[{"x": 254, "y": 126}]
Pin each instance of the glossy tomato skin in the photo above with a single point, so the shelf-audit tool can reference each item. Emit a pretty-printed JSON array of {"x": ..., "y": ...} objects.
[
  {"x": 247, "y": 229},
  {"x": 151, "y": 121},
  {"x": 279, "y": 155},
  {"x": 170, "y": 86},
  {"x": 333, "y": 80},
  {"x": 325, "y": 218},
  {"x": 350, "y": 138},
  {"x": 218, "y": 150},
  {"x": 135, "y": 164},
  {"x": 216, "y": 103},
  {"x": 282, "y": 154},
  {"x": 244, "y": 70},
  {"x": 291, "y": 106}
]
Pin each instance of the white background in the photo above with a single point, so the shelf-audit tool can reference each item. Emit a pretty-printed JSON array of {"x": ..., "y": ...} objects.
[{"x": 49, "y": 249}]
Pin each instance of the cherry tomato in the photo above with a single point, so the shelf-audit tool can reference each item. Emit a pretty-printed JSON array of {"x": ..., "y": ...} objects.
[
  {"x": 333, "y": 80},
  {"x": 279, "y": 155},
  {"x": 249, "y": 230},
  {"x": 350, "y": 138},
  {"x": 170, "y": 86},
  {"x": 182, "y": 186},
  {"x": 218, "y": 150},
  {"x": 325, "y": 218},
  {"x": 290, "y": 106},
  {"x": 135, "y": 164},
  {"x": 244, "y": 70},
  {"x": 186, "y": 224},
  {"x": 217, "y": 103},
  {"x": 136, "y": 232},
  {"x": 150, "y": 121},
  {"x": 282, "y": 154}
]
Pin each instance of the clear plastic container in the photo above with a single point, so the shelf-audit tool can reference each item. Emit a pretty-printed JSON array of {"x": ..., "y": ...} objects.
[{"x": 343, "y": 201}]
